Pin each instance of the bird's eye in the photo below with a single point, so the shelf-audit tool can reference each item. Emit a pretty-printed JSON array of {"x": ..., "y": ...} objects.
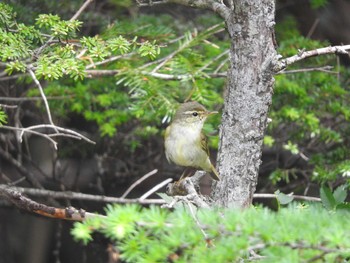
[{"x": 195, "y": 114}]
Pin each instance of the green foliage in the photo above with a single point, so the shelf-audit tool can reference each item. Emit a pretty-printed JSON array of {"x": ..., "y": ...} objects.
[
  {"x": 157, "y": 235},
  {"x": 137, "y": 91},
  {"x": 3, "y": 117},
  {"x": 310, "y": 110},
  {"x": 318, "y": 3},
  {"x": 335, "y": 200}
]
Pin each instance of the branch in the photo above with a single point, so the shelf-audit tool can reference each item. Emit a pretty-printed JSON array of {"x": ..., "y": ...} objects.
[
  {"x": 42, "y": 95},
  {"x": 22, "y": 202},
  {"x": 296, "y": 197},
  {"x": 60, "y": 132},
  {"x": 216, "y": 6},
  {"x": 81, "y": 9},
  {"x": 325, "y": 69},
  {"x": 85, "y": 197},
  {"x": 30, "y": 177},
  {"x": 283, "y": 63},
  {"x": 185, "y": 191},
  {"x": 112, "y": 72},
  {"x": 20, "y": 99},
  {"x": 155, "y": 188},
  {"x": 138, "y": 182}
]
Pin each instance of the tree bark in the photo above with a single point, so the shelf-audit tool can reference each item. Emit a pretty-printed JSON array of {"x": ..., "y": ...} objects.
[{"x": 247, "y": 100}]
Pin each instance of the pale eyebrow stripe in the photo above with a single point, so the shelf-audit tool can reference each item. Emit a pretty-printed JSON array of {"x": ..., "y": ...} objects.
[{"x": 192, "y": 111}]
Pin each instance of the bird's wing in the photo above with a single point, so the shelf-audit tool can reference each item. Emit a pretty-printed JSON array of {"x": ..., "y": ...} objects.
[{"x": 204, "y": 143}]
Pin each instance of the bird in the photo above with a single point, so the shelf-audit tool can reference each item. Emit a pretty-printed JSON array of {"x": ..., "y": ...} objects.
[{"x": 185, "y": 144}]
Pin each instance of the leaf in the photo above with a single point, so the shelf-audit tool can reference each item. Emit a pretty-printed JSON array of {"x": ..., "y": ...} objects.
[
  {"x": 343, "y": 206},
  {"x": 166, "y": 197},
  {"x": 282, "y": 198},
  {"x": 327, "y": 198},
  {"x": 340, "y": 194}
]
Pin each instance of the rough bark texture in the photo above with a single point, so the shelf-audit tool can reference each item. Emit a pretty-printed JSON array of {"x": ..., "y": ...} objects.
[{"x": 247, "y": 101}]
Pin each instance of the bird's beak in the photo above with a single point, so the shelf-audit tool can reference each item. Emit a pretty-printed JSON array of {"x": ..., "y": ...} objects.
[{"x": 211, "y": 112}]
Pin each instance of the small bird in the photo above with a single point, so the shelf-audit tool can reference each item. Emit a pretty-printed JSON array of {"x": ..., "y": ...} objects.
[{"x": 185, "y": 144}]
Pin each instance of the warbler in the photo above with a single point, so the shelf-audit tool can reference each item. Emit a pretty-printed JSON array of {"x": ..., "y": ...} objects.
[{"x": 185, "y": 143}]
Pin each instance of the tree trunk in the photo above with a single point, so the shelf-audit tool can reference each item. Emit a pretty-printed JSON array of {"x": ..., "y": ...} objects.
[{"x": 247, "y": 100}]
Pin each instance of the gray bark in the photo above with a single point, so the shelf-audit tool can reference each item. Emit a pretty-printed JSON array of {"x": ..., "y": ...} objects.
[{"x": 247, "y": 100}]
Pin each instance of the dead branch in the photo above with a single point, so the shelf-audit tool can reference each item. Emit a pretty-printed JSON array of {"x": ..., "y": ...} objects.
[
  {"x": 283, "y": 63},
  {"x": 27, "y": 204},
  {"x": 86, "y": 197}
]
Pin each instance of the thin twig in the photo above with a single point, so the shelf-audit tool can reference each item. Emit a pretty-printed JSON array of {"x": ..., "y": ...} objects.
[
  {"x": 5, "y": 78},
  {"x": 296, "y": 197},
  {"x": 42, "y": 95},
  {"x": 5, "y": 106},
  {"x": 326, "y": 69},
  {"x": 155, "y": 188},
  {"x": 30, "y": 131},
  {"x": 81, "y": 9},
  {"x": 147, "y": 175},
  {"x": 111, "y": 59},
  {"x": 14, "y": 99},
  {"x": 57, "y": 128}
]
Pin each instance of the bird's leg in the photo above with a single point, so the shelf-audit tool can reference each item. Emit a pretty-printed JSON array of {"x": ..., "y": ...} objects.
[{"x": 186, "y": 173}]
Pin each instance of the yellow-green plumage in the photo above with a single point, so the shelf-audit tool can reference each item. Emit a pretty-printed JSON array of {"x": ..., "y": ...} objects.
[{"x": 185, "y": 144}]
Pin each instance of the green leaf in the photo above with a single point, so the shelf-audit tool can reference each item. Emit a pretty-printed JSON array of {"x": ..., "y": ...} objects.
[
  {"x": 269, "y": 141},
  {"x": 81, "y": 232},
  {"x": 340, "y": 194},
  {"x": 3, "y": 117},
  {"x": 282, "y": 198},
  {"x": 343, "y": 206},
  {"x": 293, "y": 148},
  {"x": 327, "y": 198}
]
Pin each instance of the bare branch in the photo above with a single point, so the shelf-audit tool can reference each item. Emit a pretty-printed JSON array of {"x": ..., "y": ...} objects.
[
  {"x": 81, "y": 9},
  {"x": 87, "y": 197},
  {"x": 20, "y": 99},
  {"x": 5, "y": 78},
  {"x": 30, "y": 131},
  {"x": 185, "y": 191},
  {"x": 22, "y": 202},
  {"x": 326, "y": 69},
  {"x": 138, "y": 182},
  {"x": 64, "y": 133},
  {"x": 216, "y": 6},
  {"x": 71, "y": 132},
  {"x": 110, "y": 59},
  {"x": 283, "y": 63},
  {"x": 42, "y": 95},
  {"x": 101, "y": 72},
  {"x": 30, "y": 177},
  {"x": 155, "y": 188},
  {"x": 296, "y": 197}
]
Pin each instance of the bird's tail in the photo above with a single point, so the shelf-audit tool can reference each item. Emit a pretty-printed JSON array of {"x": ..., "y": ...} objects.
[{"x": 214, "y": 174}]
